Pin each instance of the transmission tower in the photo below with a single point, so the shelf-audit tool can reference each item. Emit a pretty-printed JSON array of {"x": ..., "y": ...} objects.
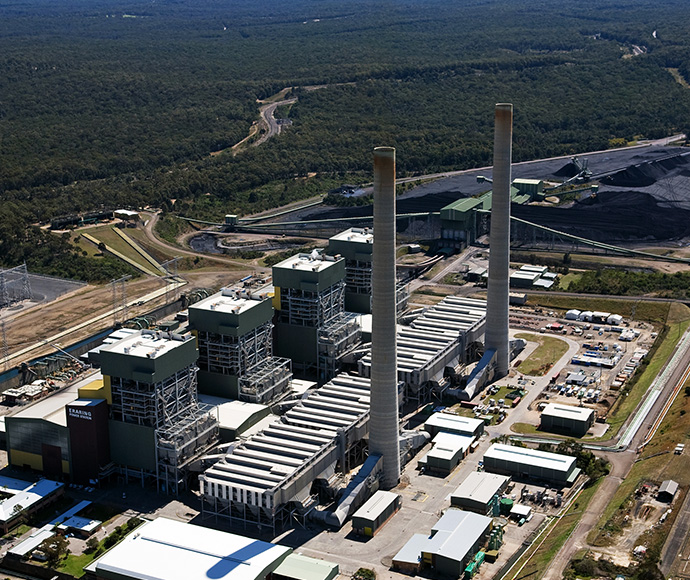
[
  {"x": 119, "y": 298},
  {"x": 171, "y": 279},
  {"x": 5, "y": 346}
]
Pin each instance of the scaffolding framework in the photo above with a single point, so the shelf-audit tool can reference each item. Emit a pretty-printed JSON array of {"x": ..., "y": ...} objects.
[
  {"x": 266, "y": 380},
  {"x": 183, "y": 429},
  {"x": 234, "y": 355},
  {"x": 311, "y": 309},
  {"x": 14, "y": 286},
  {"x": 335, "y": 340},
  {"x": 156, "y": 405},
  {"x": 180, "y": 444}
]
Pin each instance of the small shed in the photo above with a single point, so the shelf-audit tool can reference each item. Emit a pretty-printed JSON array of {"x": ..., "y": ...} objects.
[
  {"x": 667, "y": 491},
  {"x": 380, "y": 507},
  {"x": 520, "y": 511}
]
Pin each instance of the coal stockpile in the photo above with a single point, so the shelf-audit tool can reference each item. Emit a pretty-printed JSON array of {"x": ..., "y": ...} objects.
[
  {"x": 615, "y": 216},
  {"x": 647, "y": 174}
]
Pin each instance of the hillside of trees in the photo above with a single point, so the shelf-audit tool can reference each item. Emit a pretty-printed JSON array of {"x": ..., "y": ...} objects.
[{"x": 116, "y": 103}]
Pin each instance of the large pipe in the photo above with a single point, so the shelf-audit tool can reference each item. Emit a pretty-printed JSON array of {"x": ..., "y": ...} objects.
[
  {"x": 499, "y": 241},
  {"x": 383, "y": 421}
]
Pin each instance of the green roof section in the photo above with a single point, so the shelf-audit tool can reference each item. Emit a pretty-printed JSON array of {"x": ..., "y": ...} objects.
[
  {"x": 457, "y": 210},
  {"x": 301, "y": 567}
]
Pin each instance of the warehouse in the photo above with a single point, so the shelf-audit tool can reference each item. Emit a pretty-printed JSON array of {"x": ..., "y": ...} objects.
[
  {"x": 575, "y": 421},
  {"x": 480, "y": 492},
  {"x": 453, "y": 541},
  {"x": 38, "y": 437},
  {"x": 380, "y": 507},
  {"x": 523, "y": 462},
  {"x": 165, "y": 549},
  {"x": 447, "y": 452},
  {"x": 447, "y": 423}
]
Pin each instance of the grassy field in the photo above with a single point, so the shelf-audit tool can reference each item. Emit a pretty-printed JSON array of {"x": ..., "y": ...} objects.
[
  {"x": 565, "y": 281},
  {"x": 549, "y": 351},
  {"x": 538, "y": 557},
  {"x": 656, "y": 463},
  {"x": 106, "y": 235}
]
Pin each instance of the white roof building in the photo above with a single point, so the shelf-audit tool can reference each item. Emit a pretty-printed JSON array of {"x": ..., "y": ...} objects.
[
  {"x": 478, "y": 490},
  {"x": 568, "y": 412},
  {"x": 165, "y": 549}
]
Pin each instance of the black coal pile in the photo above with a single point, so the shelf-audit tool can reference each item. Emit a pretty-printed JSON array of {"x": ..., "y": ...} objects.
[{"x": 614, "y": 216}]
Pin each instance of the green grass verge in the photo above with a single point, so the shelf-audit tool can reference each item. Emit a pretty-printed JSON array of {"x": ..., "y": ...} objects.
[
  {"x": 549, "y": 351},
  {"x": 525, "y": 429},
  {"x": 565, "y": 281},
  {"x": 106, "y": 235},
  {"x": 74, "y": 565},
  {"x": 538, "y": 558}
]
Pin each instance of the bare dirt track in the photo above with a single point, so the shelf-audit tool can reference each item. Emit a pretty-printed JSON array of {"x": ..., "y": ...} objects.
[{"x": 48, "y": 319}]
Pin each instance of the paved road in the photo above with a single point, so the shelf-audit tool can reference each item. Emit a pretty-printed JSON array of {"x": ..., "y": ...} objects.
[{"x": 269, "y": 121}]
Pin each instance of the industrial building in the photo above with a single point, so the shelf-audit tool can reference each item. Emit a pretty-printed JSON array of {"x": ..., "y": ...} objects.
[
  {"x": 311, "y": 326},
  {"x": 356, "y": 246},
  {"x": 522, "y": 462},
  {"x": 446, "y": 334},
  {"x": 234, "y": 331},
  {"x": 446, "y": 453},
  {"x": 480, "y": 493},
  {"x": 575, "y": 421},
  {"x": 300, "y": 567},
  {"x": 157, "y": 427},
  {"x": 165, "y": 549},
  {"x": 25, "y": 498},
  {"x": 451, "y": 546},
  {"x": 38, "y": 437},
  {"x": 377, "y": 510},
  {"x": 267, "y": 478},
  {"x": 447, "y": 423}
]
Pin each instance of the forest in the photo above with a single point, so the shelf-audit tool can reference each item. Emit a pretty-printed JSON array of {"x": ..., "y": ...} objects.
[{"x": 122, "y": 103}]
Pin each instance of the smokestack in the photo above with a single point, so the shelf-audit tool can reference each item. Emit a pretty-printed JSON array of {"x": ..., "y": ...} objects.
[
  {"x": 499, "y": 241},
  {"x": 383, "y": 421}
]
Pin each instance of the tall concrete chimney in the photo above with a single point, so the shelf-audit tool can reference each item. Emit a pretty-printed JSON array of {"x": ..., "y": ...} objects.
[
  {"x": 496, "y": 336},
  {"x": 383, "y": 422}
]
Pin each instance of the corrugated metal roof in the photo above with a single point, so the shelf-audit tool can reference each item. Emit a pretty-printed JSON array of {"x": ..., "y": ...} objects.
[
  {"x": 567, "y": 412},
  {"x": 528, "y": 456},
  {"x": 266, "y": 460},
  {"x": 376, "y": 505},
  {"x": 480, "y": 486},
  {"x": 454, "y": 422},
  {"x": 170, "y": 550}
]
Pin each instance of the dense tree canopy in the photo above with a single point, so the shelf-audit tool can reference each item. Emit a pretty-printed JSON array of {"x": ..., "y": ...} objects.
[{"x": 109, "y": 102}]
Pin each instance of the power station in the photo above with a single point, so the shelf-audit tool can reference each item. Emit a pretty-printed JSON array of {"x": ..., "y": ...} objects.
[{"x": 340, "y": 415}]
